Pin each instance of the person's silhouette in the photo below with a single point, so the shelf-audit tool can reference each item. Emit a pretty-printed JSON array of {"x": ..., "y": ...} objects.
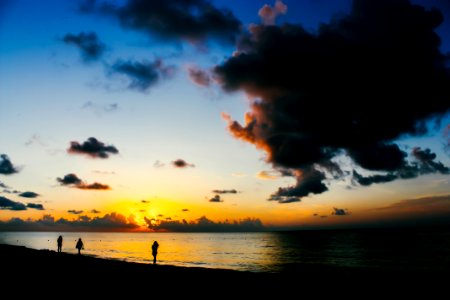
[
  {"x": 60, "y": 240},
  {"x": 155, "y": 251},
  {"x": 79, "y": 246}
]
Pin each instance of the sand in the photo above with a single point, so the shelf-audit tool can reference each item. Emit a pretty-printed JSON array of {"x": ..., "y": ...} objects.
[{"x": 49, "y": 273}]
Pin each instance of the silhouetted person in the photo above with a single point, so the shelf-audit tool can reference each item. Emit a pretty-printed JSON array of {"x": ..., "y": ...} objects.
[
  {"x": 155, "y": 251},
  {"x": 79, "y": 246},
  {"x": 60, "y": 240}
]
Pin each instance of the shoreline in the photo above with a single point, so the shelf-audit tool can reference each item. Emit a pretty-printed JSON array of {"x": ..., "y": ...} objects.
[{"x": 41, "y": 267}]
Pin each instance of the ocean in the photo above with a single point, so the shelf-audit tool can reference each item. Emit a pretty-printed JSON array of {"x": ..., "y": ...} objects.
[{"x": 410, "y": 248}]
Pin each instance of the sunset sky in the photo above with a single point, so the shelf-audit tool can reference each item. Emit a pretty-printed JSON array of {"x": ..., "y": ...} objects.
[{"x": 223, "y": 115}]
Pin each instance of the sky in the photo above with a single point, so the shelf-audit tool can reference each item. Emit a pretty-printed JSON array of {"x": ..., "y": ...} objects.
[{"x": 223, "y": 115}]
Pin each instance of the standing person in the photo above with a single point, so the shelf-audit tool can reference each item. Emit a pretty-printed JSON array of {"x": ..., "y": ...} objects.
[
  {"x": 79, "y": 246},
  {"x": 60, "y": 240},
  {"x": 155, "y": 251}
]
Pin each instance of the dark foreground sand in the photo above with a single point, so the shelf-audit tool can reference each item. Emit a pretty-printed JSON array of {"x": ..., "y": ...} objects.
[{"x": 49, "y": 274}]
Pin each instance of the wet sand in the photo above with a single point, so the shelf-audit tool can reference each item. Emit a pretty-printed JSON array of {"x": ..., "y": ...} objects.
[{"x": 28, "y": 271}]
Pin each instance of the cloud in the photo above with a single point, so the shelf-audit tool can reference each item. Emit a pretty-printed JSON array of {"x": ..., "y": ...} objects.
[
  {"x": 203, "y": 224},
  {"x": 6, "y": 166},
  {"x": 199, "y": 76},
  {"x": 216, "y": 198},
  {"x": 374, "y": 60},
  {"x": 420, "y": 204},
  {"x": 185, "y": 210},
  {"x": 75, "y": 212},
  {"x": 145, "y": 201},
  {"x": 93, "y": 148},
  {"x": 269, "y": 14},
  {"x": 69, "y": 179},
  {"x": 181, "y": 163},
  {"x": 35, "y": 206},
  {"x": 88, "y": 43},
  {"x": 94, "y": 211},
  {"x": 109, "y": 222},
  {"x": 7, "y": 204},
  {"x": 158, "y": 164},
  {"x": 142, "y": 75},
  {"x": 73, "y": 180},
  {"x": 29, "y": 195},
  {"x": 104, "y": 172},
  {"x": 193, "y": 21},
  {"x": 423, "y": 163},
  {"x": 232, "y": 191},
  {"x": 267, "y": 175},
  {"x": 100, "y": 108},
  {"x": 3, "y": 185},
  {"x": 340, "y": 211}
]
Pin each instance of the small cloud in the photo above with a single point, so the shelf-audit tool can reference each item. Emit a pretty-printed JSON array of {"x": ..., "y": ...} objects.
[
  {"x": 199, "y": 76},
  {"x": 35, "y": 206},
  {"x": 158, "y": 164},
  {"x": 238, "y": 174},
  {"x": 104, "y": 172},
  {"x": 29, "y": 195},
  {"x": 160, "y": 215},
  {"x": 93, "y": 148},
  {"x": 69, "y": 179},
  {"x": 2, "y": 185},
  {"x": 181, "y": 163},
  {"x": 6, "y": 166},
  {"x": 94, "y": 211},
  {"x": 100, "y": 108},
  {"x": 88, "y": 43},
  {"x": 73, "y": 180},
  {"x": 232, "y": 191},
  {"x": 284, "y": 199},
  {"x": 340, "y": 212},
  {"x": 142, "y": 75},
  {"x": 145, "y": 201},
  {"x": 216, "y": 198},
  {"x": 267, "y": 175},
  {"x": 75, "y": 212},
  {"x": 269, "y": 14},
  {"x": 7, "y": 204},
  {"x": 185, "y": 210},
  {"x": 93, "y": 186},
  {"x": 35, "y": 139}
]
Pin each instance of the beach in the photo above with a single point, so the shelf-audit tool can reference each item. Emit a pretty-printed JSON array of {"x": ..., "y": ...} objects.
[{"x": 36, "y": 269}]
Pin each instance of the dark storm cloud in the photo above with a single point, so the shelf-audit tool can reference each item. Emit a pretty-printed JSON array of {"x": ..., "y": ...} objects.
[
  {"x": 181, "y": 163},
  {"x": 35, "y": 206},
  {"x": 75, "y": 212},
  {"x": 29, "y": 195},
  {"x": 69, "y": 179},
  {"x": 89, "y": 44},
  {"x": 216, "y": 198},
  {"x": 190, "y": 20},
  {"x": 7, "y": 204},
  {"x": 345, "y": 89},
  {"x": 340, "y": 211},
  {"x": 232, "y": 191},
  {"x": 423, "y": 162},
  {"x": 6, "y": 166},
  {"x": 203, "y": 224},
  {"x": 199, "y": 76},
  {"x": 93, "y": 148},
  {"x": 74, "y": 181},
  {"x": 142, "y": 75},
  {"x": 109, "y": 222}
]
